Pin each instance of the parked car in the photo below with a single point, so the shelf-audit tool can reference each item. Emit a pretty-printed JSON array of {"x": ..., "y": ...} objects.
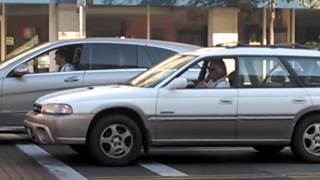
[
  {"x": 97, "y": 61},
  {"x": 272, "y": 102}
]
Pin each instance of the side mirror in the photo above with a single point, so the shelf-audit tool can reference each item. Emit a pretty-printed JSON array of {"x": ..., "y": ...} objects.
[
  {"x": 20, "y": 70},
  {"x": 178, "y": 83}
]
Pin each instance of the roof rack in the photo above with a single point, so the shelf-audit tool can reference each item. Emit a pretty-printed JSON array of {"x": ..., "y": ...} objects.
[{"x": 284, "y": 45}]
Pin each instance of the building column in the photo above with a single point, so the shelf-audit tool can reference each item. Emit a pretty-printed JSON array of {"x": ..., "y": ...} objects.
[
  {"x": 293, "y": 26},
  {"x": 264, "y": 26},
  {"x": 148, "y": 22},
  {"x": 82, "y": 20},
  {"x": 53, "y": 22},
  {"x": 3, "y": 33},
  {"x": 223, "y": 26}
]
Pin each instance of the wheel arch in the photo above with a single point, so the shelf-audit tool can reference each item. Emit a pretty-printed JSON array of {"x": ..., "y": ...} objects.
[{"x": 311, "y": 111}]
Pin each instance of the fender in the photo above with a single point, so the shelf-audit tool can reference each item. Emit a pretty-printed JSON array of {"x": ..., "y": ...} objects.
[{"x": 303, "y": 112}]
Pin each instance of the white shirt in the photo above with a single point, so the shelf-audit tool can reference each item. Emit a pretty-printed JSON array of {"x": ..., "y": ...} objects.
[
  {"x": 221, "y": 83},
  {"x": 67, "y": 67}
]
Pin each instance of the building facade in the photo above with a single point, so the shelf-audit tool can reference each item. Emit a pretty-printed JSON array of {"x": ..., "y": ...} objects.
[{"x": 26, "y": 23}]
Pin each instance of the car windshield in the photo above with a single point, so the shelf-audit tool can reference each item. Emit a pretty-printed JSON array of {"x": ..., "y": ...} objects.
[
  {"x": 22, "y": 54},
  {"x": 153, "y": 76}
]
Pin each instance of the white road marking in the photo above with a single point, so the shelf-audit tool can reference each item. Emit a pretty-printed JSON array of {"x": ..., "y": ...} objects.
[
  {"x": 161, "y": 169},
  {"x": 8, "y": 136},
  {"x": 54, "y": 166}
]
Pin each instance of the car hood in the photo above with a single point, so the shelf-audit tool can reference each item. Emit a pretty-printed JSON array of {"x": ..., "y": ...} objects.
[{"x": 95, "y": 93}]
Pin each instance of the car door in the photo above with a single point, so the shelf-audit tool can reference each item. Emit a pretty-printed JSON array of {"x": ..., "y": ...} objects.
[
  {"x": 269, "y": 99},
  {"x": 19, "y": 93},
  {"x": 112, "y": 63},
  {"x": 196, "y": 116}
]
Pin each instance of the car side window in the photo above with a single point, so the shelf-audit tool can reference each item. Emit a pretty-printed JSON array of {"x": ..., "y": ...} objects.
[
  {"x": 211, "y": 72},
  {"x": 159, "y": 54},
  {"x": 114, "y": 56},
  {"x": 65, "y": 58},
  {"x": 144, "y": 60},
  {"x": 263, "y": 72},
  {"x": 307, "y": 70}
]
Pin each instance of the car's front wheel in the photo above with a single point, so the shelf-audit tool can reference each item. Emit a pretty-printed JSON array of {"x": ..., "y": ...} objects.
[
  {"x": 306, "y": 139},
  {"x": 115, "y": 140},
  {"x": 268, "y": 149}
]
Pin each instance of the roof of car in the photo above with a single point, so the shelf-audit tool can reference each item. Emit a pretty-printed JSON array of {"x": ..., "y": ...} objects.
[
  {"x": 259, "y": 51},
  {"x": 179, "y": 47}
]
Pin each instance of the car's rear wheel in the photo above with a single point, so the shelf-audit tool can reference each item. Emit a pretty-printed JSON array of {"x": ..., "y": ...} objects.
[
  {"x": 82, "y": 149},
  {"x": 306, "y": 139},
  {"x": 115, "y": 140},
  {"x": 268, "y": 149}
]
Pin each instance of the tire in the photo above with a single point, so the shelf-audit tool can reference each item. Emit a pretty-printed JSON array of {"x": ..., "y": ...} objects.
[
  {"x": 122, "y": 140},
  {"x": 80, "y": 149},
  {"x": 306, "y": 139},
  {"x": 268, "y": 149}
]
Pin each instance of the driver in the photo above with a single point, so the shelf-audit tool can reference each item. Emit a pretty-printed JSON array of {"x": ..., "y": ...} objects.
[
  {"x": 217, "y": 76},
  {"x": 63, "y": 61}
]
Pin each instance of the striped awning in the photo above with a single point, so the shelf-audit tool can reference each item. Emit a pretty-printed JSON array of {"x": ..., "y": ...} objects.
[
  {"x": 38, "y": 1},
  {"x": 190, "y": 3},
  {"x": 293, "y": 4},
  {"x": 284, "y": 4}
]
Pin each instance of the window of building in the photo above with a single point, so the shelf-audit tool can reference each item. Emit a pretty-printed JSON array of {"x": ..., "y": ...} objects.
[
  {"x": 129, "y": 22},
  {"x": 250, "y": 26},
  {"x": 307, "y": 31},
  {"x": 26, "y": 27},
  {"x": 187, "y": 25}
]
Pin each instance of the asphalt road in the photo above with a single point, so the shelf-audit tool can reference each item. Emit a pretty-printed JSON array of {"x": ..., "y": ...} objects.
[{"x": 21, "y": 159}]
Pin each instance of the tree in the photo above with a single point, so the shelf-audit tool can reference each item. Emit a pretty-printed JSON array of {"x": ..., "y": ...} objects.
[{"x": 315, "y": 4}]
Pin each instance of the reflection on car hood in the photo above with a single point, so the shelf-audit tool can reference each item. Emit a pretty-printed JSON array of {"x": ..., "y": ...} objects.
[{"x": 93, "y": 93}]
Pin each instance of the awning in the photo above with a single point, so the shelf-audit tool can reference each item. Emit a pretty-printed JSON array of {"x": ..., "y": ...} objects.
[
  {"x": 280, "y": 4},
  {"x": 189, "y": 3},
  {"x": 294, "y": 4},
  {"x": 38, "y": 1}
]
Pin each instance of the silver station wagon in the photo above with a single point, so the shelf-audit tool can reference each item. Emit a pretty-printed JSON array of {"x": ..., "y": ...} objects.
[
  {"x": 94, "y": 61},
  {"x": 267, "y": 98}
]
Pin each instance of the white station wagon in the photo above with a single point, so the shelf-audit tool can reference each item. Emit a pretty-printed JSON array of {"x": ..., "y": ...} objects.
[{"x": 273, "y": 101}]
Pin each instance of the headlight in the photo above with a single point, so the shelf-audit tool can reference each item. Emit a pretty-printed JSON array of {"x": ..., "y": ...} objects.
[{"x": 56, "y": 109}]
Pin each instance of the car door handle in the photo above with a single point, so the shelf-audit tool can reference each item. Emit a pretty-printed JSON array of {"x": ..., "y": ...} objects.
[
  {"x": 72, "y": 79},
  {"x": 226, "y": 100},
  {"x": 299, "y": 100}
]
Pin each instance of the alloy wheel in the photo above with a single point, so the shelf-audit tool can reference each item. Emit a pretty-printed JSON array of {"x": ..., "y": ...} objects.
[{"x": 116, "y": 141}]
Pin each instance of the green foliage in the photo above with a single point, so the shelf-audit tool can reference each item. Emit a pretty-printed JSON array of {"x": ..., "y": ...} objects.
[
  {"x": 306, "y": 3},
  {"x": 311, "y": 3}
]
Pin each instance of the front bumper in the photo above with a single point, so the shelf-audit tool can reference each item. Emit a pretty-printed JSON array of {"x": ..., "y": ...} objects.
[
  {"x": 39, "y": 133},
  {"x": 58, "y": 129}
]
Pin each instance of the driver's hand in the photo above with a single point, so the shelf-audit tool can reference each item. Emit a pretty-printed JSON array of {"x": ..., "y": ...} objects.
[{"x": 202, "y": 84}]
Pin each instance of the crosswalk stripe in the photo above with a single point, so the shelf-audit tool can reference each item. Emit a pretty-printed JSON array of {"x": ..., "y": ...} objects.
[
  {"x": 54, "y": 166},
  {"x": 160, "y": 169}
]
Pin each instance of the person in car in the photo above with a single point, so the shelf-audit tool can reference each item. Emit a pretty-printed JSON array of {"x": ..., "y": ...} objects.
[
  {"x": 217, "y": 76},
  {"x": 63, "y": 61}
]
